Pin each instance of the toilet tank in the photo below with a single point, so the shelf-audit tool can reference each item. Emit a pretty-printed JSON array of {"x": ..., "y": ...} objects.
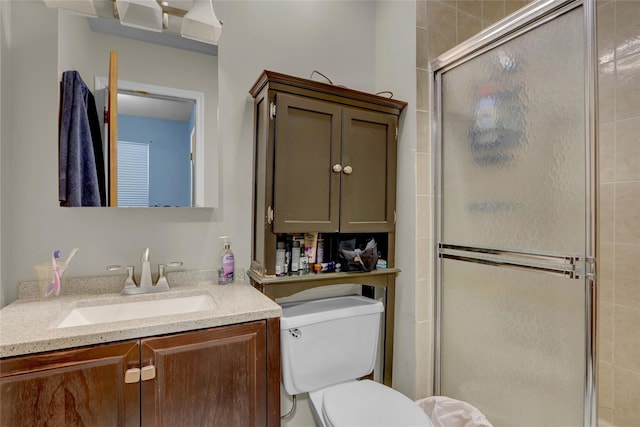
[{"x": 328, "y": 341}]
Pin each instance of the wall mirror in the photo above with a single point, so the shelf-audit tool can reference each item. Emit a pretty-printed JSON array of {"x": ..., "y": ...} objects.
[
  {"x": 160, "y": 134},
  {"x": 167, "y": 106}
]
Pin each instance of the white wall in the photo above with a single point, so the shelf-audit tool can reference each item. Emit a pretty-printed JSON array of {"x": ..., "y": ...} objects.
[
  {"x": 5, "y": 29},
  {"x": 369, "y": 46},
  {"x": 395, "y": 65},
  {"x": 336, "y": 38}
]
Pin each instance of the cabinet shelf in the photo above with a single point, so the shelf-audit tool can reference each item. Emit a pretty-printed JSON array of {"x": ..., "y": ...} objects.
[{"x": 341, "y": 277}]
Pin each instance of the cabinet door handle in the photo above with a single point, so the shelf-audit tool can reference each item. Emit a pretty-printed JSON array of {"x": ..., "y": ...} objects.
[
  {"x": 347, "y": 170},
  {"x": 148, "y": 373},
  {"x": 132, "y": 375},
  {"x": 337, "y": 168}
]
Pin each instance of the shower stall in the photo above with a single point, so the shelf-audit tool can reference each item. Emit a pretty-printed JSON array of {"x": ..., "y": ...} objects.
[{"x": 514, "y": 132}]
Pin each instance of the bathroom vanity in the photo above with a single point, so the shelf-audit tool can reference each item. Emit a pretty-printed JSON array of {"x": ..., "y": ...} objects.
[
  {"x": 216, "y": 366},
  {"x": 325, "y": 161}
]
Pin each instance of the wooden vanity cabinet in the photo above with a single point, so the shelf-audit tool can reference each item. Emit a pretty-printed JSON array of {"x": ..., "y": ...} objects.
[
  {"x": 225, "y": 376},
  {"x": 214, "y": 377},
  {"x": 324, "y": 160},
  {"x": 76, "y": 387}
]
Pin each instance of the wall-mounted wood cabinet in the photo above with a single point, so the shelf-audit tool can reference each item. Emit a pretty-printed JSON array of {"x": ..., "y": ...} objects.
[
  {"x": 221, "y": 376},
  {"x": 324, "y": 160},
  {"x": 334, "y": 167}
]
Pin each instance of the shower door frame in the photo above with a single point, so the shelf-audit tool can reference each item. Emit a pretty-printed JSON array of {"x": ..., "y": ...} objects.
[{"x": 527, "y": 18}]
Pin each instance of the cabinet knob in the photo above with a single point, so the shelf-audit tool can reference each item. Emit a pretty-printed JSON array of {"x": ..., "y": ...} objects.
[
  {"x": 132, "y": 375},
  {"x": 148, "y": 373},
  {"x": 337, "y": 168},
  {"x": 347, "y": 170}
]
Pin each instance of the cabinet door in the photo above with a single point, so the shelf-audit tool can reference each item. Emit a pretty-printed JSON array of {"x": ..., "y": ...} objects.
[
  {"x": 79, "y": 387},
  {"x": 214, "y": 377},
  {"x": 307, "y": 145},
  {"x": 368, "y": 197}
]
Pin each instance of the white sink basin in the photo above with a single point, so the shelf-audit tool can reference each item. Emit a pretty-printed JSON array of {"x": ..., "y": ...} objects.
[{"x": 136, "y": 310}]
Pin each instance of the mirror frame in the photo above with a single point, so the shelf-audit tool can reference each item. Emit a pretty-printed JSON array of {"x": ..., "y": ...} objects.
[{"x": 102, "y": 83}]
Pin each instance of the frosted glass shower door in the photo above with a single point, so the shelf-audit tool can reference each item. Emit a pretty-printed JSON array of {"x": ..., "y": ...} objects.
[
  {"x": 513, "y": 223},
  {"x": 513, "y": 132},
  {"x": 514, "y": 344}
]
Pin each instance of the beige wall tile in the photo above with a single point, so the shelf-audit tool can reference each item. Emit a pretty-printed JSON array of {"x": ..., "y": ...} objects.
[
  {"x": 441, "y": 22},
  {"x": 422, "y": 48},
  {"x": 404, "y": 362},
  {"x": 423, "y": 258},
  {"x": 605, "y": 336},
  {"x": 628, "y": 148},
  {"x": 423, "y": 217},
  {"x": 605, "y": 272},
  {"x": 421, "y": 13},
  {"x": 512, "y": 6},
  {"x": 627, "y": 212},
  {"x": 492, "y": 11},
  {"x": 607, "y": 142},
  {"x": 606, "y": 26},
  {"x": 424, "y": 302},
  {"x": 424, "y": 371},
  {"x": 605, "y": 415},
  {"x": 627, "y": 27},
  {"x": 423, "y": 145},
  {"x": 626, "y": 397},
  {"x": 423, "y": 178},
  {"x": 626, "y": 339},
  {"x": 606, "y": 219},
  {"x": 472, "y": 7},
  {"x": 606, "y": 92},
  {"x": 627, "y": 273},
  {"x": 422, "y": 99},
  {"x": 468, "y": 26},
  {"x": 605, "y": 385},
  {"x": 628, "y": 86}
]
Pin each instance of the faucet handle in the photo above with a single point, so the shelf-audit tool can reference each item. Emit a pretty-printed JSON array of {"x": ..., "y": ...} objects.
[
  {"x": 162, "y": 267},
  {"x": 129, "y": 282},
  {"x": 162, "y": 283}
]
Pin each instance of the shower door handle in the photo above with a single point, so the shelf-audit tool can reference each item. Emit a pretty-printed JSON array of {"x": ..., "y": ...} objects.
[{"x": 568, "y": 266}]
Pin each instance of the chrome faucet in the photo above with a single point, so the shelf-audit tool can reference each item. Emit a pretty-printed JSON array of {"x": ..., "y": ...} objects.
[{"x": 146, "y": 282}]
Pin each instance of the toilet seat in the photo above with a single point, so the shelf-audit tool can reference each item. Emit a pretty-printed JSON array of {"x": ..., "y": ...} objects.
[{"x": 368, "y": 403}]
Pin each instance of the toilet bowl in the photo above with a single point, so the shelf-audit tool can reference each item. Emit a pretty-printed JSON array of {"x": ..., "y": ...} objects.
[
  {"x": 365, "y": 403},
  {"x": 327, "y": 344}
]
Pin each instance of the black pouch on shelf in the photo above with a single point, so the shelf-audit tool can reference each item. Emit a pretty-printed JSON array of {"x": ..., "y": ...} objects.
[{"x": 355, "y": 259}]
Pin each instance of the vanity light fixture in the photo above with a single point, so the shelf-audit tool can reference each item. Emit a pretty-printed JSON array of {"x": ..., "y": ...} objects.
[
  {"x": 143, "y": 14},
  {"x": 86, "y": 7},
  {"x": 201, "y": 23}
]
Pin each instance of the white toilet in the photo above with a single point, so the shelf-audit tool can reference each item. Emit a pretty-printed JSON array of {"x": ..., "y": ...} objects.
[{"x": 327, "y": 344}]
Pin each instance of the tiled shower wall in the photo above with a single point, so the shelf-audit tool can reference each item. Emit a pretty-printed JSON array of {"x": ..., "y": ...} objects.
[
  {"x": 443, "y": 24},
  {"x": 440, "y": 25},
  {"x": 619, "y": 129}
]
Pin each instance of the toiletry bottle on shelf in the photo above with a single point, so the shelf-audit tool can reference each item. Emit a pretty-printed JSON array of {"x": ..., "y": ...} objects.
[
  {"x": 295, "y": 257},
  {"x": 280, "y": 259},
  {"x": 227, "y": 263},
  {"x": 310, "y": 242},
  {"x": 320, "y": 250},
  {"x": 304, "y": 263}
]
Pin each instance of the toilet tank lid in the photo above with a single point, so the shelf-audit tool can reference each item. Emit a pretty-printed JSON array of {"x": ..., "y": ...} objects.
[{"x": 302, "y": 313}]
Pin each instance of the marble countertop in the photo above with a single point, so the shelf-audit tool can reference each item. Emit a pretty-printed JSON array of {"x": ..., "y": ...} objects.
[{"x": 29, "y": 325}]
